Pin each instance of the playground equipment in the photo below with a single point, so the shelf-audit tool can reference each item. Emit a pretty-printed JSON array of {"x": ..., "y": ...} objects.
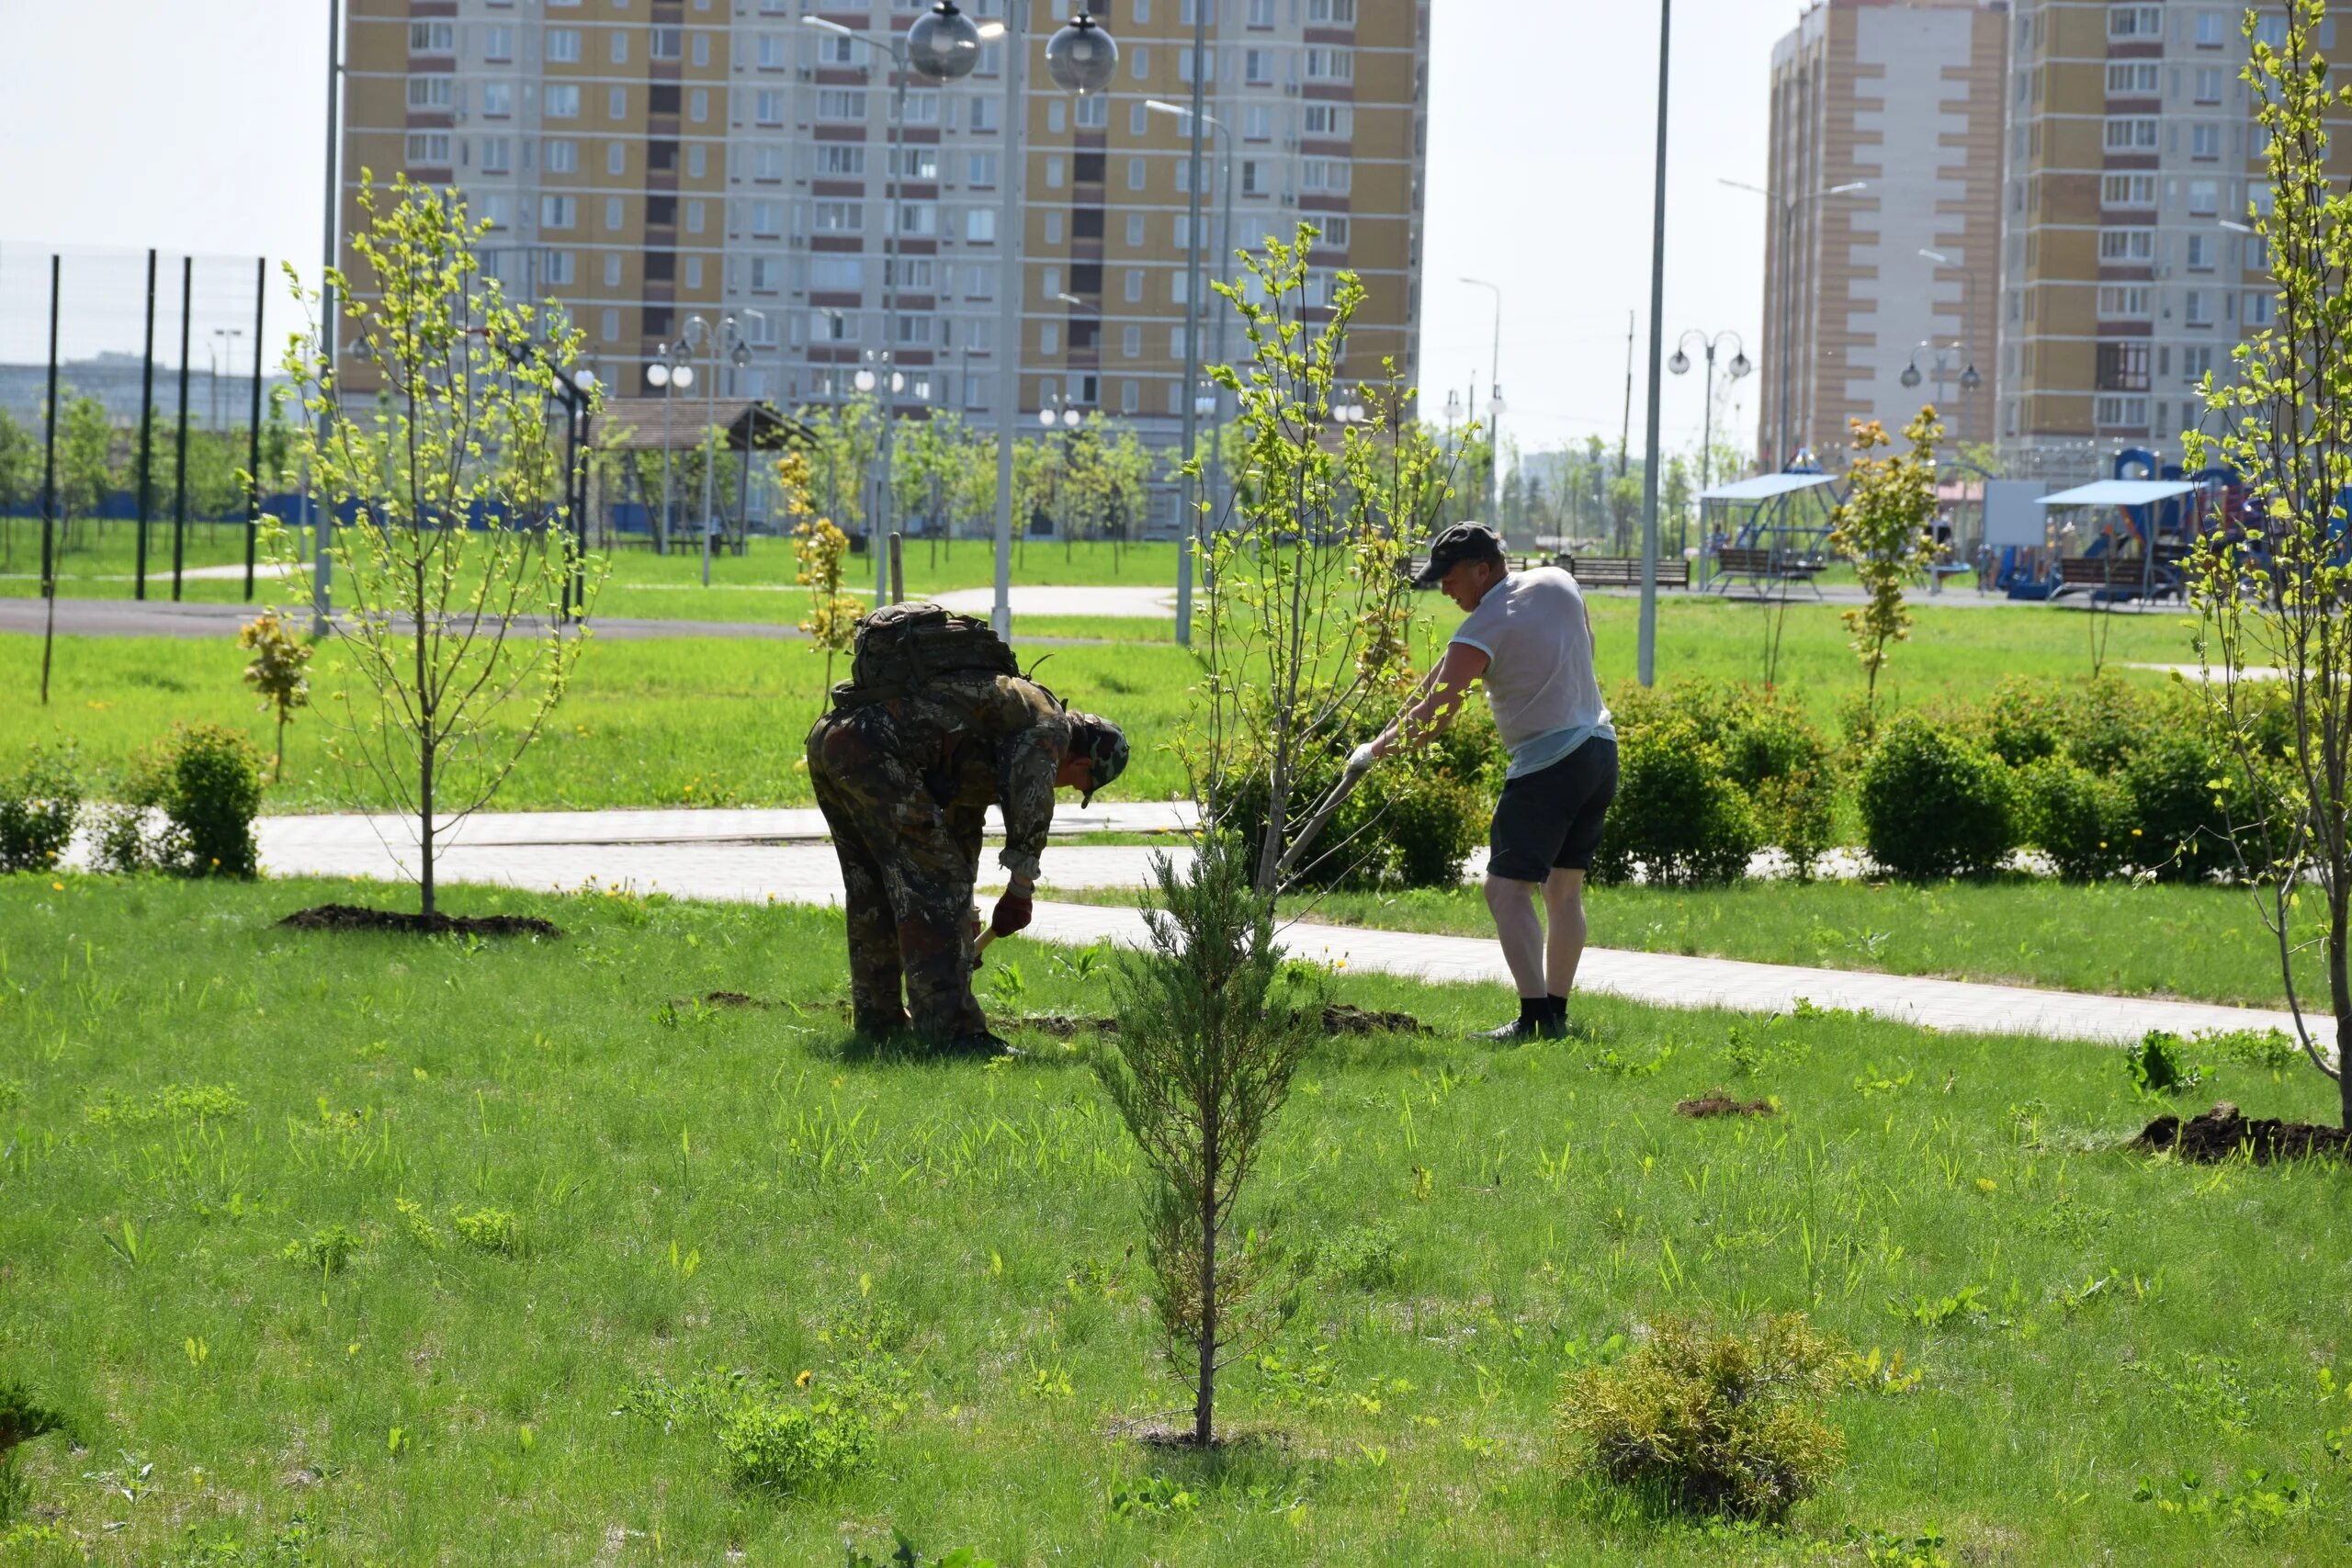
[
  {"x": 2142, "y": 530},
  {"x": 1771, "y": 532}
]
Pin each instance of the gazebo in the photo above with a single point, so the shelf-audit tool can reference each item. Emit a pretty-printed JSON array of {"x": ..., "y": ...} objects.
[
  {"x": 746, "y": 425},
  {"x": 1774, "y": 528}
]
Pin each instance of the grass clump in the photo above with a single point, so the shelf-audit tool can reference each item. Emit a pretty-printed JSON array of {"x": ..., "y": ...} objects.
[
  {"x": 1701, "y": 1420},
  {"x": 329, "y": 1250},
  {"x": 771, "y": 1443},
  {"x": 492, "y": 1230},
  {"x": 172, "y": 1102},
  {"x": 22, "y": 1418}
]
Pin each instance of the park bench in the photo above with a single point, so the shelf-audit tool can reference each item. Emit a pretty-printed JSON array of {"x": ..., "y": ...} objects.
[
  {"x": 1623, "y": 571},
  {"x": 2117, "y": 577},
  {"x": 1759, "y": 566}
]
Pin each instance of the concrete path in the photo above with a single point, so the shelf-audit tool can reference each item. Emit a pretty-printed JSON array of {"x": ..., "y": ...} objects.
[
  {"x": 1125, "y": 604},
  {"x": 762, "y": 856}
]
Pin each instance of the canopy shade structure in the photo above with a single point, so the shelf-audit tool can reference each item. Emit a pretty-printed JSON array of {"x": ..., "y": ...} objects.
[
  {"x": 1764, "y": 487},
  {"x": 639, "y": 424},
  {"x": 2119, "y": 492}
]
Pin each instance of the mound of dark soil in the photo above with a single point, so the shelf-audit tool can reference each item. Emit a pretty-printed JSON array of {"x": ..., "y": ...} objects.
[
  {"x": 352, "y": 918},
  {"x": 1716, "y": 1103},
  {"x": 735, "y": 1000},
  {"x": 2221, "y": 1133}
]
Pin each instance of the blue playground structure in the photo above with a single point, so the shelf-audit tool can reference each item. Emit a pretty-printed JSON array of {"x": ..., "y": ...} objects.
[{"x": 2143, "y": 523}]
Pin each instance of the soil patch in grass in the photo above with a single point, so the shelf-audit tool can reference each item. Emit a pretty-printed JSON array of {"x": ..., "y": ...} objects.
[
  {"x": 353, "y": 917},
  {"x": 1716, "y": 1103},
  {"x": 2222, "y": 1131},
  {"x": 1339, "y": 1017}
]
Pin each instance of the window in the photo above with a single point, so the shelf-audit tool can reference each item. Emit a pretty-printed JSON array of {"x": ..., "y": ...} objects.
[
  {"x": 1130, "y": 396},
  {"x": 1335, "y": 230},
  {"x": 2196, "y": 311},
  {"x": 838, "y": 158},
  {"x": 914, "y": 273},
  {"x": 1184, "y": 65},
  {"x": 2205, "y": 140},
  {"x": 1176, "y": 343},
  {"x": 2204, "y": 197},
  {"x": 563, "y": 46},
  {"x": 697, "y": 161},
  {"x": 919, "y": 218},
  {"x": 562, "y": 155},
  {"x": 666, "y": 42},
  {"x": 609, "y": 325},
  {"x": 2131, "y": 134},
  {"x": 2134, "y": 79},
  {"x": 979, "y": 169},
  {"x": 1139, "y": 60},
  {"x": 613, "y": 212},
  {"x": 764, "y": 275},
  {"x": 2127, "y": 247},
  {"x": 767, "y": 218},
  {"x": 771, "y": 52},
  {"x": 1323, "y": 174},
  {"x": 1252, "y": 184},
  {"x": 2212, "y": 29},
  {"x": 1049, "y": 339},
  {"x": 1341, "y": 13},
  {"x": 497, "y": 155},
  {"x": 1053, "y": 227},
  {"x": 694, "y": 272},
  {"x": 767, "y": 107},
  {"x": 498, "y": 44},
  {"x": 2208, "y": 83},
  {"x": 1258, "y": 66},
  {"x": 2122, "y": 367},
  {"x": 428, "y": 147},
  {"x": 559, "y": 212},
  {"x": 1135, "y": 285},
  {"x": 429, "y": 92},
  {"x": 497, "y": 99},
  {"x": 835, "y": 50},
  {"x": 1180, "y": 287},
  {"x": 838, "y": 216},
  {"x": 1049, "y": 282},
  {"x": 1056, "y": 118},
  {"x": 979, "y": 225},
  {"x": 979, "y": 282},
  {"x": 620, "y": 47},
  {"x": 985, "y": 112},
  {"x": 923, "y": 108},
  {"x": 2124, "y": 302},
  {"x": 558, "y": 266},
  {"x": 836, "y": 275},
  {"x": 840, "y": 103},
  {"x": 2259, "y": 309},
  {"x": 1328, "y": 120},
  {"x": 495, "y": 209},
  {"x": 2130, "y": 413},
  {"x": 561, "y": 101},
  {"x": 1331, "y": 64},
  {"x": 1181, "y": 231},
  {"x": 1257, "y": 123},
  {"x": 914, "y": 329},
  {"x": 615, "y": 102},
  {"x": 1262, "y": 13},
  {"x": 2271, "y": 30},
  {"x": 694, "y": 217},
  {"x": 699, "y": 105},
  {"x": 1091, "y": 113},
  {"x": 2196, "y": 364},
  {"x": 767, "y": 163},
  {"x": 612, "y": 272},
  {"x": 916, "y": 164},
  {"x": 2135, "y": 21},
  {"x": 1138, "y": 119},
  {"x": 1134, "y": 231},
  {"x": 2127, "y": 190},
  {"x": 433, "y": 38},
  {"x": 1054, "y": 167},
  {"x": 2201, "y": 253},
  {"x": 702, "y": 48},
  {"x": 615, "y": 157}
]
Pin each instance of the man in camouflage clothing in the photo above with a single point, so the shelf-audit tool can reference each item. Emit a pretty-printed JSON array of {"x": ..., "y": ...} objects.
[{"x": 905, "y": 777}]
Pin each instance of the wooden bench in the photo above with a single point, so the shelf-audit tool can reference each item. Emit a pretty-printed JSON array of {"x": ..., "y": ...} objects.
[
  {"x": 2116, "y": 576},
  {"x": 1759, "y": 566},
  {"x": 1624, "y": 571}
]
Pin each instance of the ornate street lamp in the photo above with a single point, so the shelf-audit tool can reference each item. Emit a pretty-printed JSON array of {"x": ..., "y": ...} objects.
[
  {"x": 1082, "y": 56},
  {"x": 944, "y": 44}
]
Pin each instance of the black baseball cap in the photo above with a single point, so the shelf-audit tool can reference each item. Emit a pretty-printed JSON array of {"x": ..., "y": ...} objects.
[{"x": 1463, "y": 541}]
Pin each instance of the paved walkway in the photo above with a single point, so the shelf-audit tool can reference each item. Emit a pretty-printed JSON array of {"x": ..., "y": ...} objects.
[{"x": 757, "y": 856}]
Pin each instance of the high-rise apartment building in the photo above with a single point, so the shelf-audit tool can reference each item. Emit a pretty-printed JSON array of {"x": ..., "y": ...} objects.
[
  {"x": 1903, "y": 99},
  {"x": 2128, "y": 272},
  {"x": 645, "y": 161}
]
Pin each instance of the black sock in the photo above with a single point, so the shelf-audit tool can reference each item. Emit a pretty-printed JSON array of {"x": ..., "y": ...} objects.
[
  {"x": 1532, "y": 1011},
  {"x": 1558, "y": 1008}
]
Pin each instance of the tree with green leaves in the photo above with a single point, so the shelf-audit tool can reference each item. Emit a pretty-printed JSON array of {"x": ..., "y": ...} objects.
[
  {"x": 1307, "y": 616},
  {"x": 452, "y": 579},
  {"x": 818, "y": 551},
  {"x": 278, "y": 672},
  {"x": 1886, "y": 526},
  {"x": 2276, "y": 640},
  {"x": 84, "y": 466}
]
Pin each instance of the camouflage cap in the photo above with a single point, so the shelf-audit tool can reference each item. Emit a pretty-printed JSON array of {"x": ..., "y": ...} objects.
[{"x": 1103, "y": 745}]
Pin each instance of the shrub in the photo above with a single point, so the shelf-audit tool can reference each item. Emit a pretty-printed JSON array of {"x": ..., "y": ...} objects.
[
  {"x": 1709, "y": 1422},
  {"x": 38, "y": 803},
  {"x": 1784, "y": 765},
  {"x": 2023, "y": 721},
  {"x": 1933, "y": 804},
  {"x": 210, "y": 782},
  {"x": 1680, "y": 815},
  {"x": 2185, "y": 795},
  {"x": 785, "y": 1448},
  {"x": 2085, "y": 823},
  {"x": 2107, "y": 721},
  {"x": 492, "y": 1230},
  {"x": 1411, "y": 823}
]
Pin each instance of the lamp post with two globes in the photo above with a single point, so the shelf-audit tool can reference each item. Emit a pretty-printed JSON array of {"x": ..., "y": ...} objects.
[
  {"x": 725, "y": 342},
  {"x": 672, "y": 373},
  {"x": 1681, "y": 365}
]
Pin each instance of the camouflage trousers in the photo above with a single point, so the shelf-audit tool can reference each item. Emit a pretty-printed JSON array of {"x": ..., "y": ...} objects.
[{"x": 907, "y": 865}]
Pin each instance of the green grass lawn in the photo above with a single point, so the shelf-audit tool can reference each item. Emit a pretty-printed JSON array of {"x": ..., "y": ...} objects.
[
  {"x": 2207, "y": 943},
  {"x": 187, "y": 1095}
]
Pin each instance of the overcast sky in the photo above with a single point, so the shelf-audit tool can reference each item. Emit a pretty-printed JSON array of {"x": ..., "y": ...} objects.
[{"x": 196, "y": 125}]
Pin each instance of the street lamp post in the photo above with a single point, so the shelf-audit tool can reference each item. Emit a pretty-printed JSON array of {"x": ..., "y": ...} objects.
[
  {"x": 726, "y": 341},
  {"x": 1193, "y": 304},
  {"x": 1646, "y": 643},
  {"x": 1788, "y": 205},
  {"x": 670, "y": 372},
  {"x": 1493, "y": 400},
  {"x": 1681, "y": 365},
  {"x": 1968, "y": 378}
]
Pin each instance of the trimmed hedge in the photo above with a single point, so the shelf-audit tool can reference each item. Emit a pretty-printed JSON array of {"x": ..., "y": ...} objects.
[{"x": 1934, "y": 804}]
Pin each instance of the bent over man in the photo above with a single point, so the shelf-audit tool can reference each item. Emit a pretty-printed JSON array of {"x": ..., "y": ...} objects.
[
  {"x": 1529, "y": 636},
  {"x": 905, "y": 767}
]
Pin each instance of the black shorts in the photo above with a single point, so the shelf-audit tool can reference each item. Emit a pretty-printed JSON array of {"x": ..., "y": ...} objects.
[{"x": 1551, "y": 819}]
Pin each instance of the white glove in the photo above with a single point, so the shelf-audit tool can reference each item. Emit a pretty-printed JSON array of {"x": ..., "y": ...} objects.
[{"x": 1361, "y": 758}]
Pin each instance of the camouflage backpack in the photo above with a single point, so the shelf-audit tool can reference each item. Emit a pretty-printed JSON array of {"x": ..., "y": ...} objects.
[{"x": 908, "y": 646}]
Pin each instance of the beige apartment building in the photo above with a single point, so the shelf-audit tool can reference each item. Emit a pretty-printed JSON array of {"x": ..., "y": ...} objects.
[
  {"x": 1900, "y": 102},
  {"x": 647, "y": 161},
  {"x": 2128, "y": 272}
]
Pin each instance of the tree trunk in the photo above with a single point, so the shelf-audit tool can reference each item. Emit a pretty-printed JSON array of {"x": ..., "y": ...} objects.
[
  {"x": 277, "y": 771},
  {"x": 424, "y": 824},
  {"x": 1204, "y": 1400},
  {"x": 2339, "y": 988}
]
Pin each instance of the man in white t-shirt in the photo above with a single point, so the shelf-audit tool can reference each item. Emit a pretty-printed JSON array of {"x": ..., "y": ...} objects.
[{"x": 1529, "y": 636}]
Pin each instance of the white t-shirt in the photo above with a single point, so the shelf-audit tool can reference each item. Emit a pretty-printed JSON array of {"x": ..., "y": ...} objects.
[{"x": 1540, "y": 680}]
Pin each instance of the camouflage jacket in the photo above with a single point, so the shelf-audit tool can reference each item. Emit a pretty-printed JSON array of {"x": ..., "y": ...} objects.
[{"x": 977, "y": 739}]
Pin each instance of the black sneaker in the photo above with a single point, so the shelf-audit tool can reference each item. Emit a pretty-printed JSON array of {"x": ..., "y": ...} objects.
[
  {"x": 1518, "y": 1032},
  {"x": 979, "y": 1046}
]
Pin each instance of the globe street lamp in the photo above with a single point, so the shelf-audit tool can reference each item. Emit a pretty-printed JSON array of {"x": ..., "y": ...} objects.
[
  {"x": 725, "y": 340},
  {"x": 670, "y": 372},
  {"x": 944, "y": 44},
  {"x": 1082, "y": 56},
  {"x": 1681, "y": 365},
  {"x": 1969, "y": 379}
]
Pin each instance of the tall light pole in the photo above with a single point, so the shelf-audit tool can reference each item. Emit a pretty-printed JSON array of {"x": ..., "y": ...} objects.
[
  {"x": 1788, "y": 205},
  {"x": 1193, "y": 305},
  {"x": 1494, "y": 400},
  {"x": 1646, "y": 650},
  {"x": 1681, "y": 365},
  {"x": 1968, "y": 378},
  {"x": 323, "y": 517},
  {"x": 670, "y": 372}
]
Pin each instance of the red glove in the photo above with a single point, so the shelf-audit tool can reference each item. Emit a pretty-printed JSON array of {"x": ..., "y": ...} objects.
[{"x": 1013, "y": 912}]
